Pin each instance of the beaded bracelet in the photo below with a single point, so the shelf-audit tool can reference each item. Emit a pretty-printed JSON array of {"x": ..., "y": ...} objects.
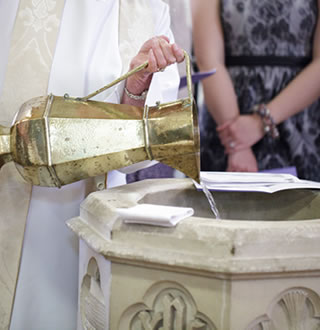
[
  {"x": 269, "y": 125},
  {"x": 140, "y": 97}
]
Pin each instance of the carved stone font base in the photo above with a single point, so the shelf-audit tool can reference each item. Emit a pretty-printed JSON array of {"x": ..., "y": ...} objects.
[{"x": 256, "y": 269}]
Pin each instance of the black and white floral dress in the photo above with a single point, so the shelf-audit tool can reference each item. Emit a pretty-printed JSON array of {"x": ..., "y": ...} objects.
[{"x": 267, "y": 43}]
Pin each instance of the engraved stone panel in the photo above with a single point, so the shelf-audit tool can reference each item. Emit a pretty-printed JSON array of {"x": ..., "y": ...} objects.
[
  {"x": 166, "y": 306},
  {"x": 92, "y": 303},
  {"x": 294, "y": 309}
]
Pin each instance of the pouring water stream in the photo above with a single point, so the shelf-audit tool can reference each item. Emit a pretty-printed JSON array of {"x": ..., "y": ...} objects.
[{"x": 210, "y": 199}]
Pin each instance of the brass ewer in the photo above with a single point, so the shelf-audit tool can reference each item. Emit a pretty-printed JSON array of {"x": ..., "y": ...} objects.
[{"x": 58, "y": 140}]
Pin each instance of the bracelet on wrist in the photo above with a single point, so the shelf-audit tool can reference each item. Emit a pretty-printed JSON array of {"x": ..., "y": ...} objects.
[
  {"x": 140, "y": 97},
  {"x": 269, "y": 125}
]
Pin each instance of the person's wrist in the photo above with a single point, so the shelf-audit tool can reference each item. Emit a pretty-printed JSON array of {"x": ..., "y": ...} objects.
[
  {"x": 258, "y": 124},
  {"x": 226, "y": 123},
  {"x": 137, "y": 85},
  {"x": 135, "y": 89},
  {"x": 269, "y": 124},
  {"x": 137, "y": 97}
]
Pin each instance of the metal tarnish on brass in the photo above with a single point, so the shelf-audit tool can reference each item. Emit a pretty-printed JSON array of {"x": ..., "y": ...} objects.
[{"x": 57, "y": 140}]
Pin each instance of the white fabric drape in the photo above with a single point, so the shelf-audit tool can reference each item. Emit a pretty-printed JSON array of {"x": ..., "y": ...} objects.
[
  {"x": 86, "y": 58},
  {"x": 29, "y": 41}
]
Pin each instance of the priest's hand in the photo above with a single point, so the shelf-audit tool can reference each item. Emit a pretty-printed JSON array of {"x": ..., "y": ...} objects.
[{"x": 159, "y": 53}]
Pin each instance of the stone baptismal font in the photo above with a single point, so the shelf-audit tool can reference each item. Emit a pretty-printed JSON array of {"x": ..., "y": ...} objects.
[{"x": 257, "y": 268}]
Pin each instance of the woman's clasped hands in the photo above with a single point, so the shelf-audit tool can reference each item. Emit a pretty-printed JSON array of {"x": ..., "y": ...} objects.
[{"x": 237, "y": 136}]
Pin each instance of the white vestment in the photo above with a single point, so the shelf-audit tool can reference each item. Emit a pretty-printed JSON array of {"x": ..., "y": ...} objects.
[{"x": 86, "y": 58}]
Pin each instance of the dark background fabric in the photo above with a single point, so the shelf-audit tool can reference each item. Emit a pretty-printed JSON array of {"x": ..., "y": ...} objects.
[{"x": 268, "y": 28}]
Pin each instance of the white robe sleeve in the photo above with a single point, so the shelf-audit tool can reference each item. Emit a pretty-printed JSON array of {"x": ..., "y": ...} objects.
[{"x": 164, "y": 85}]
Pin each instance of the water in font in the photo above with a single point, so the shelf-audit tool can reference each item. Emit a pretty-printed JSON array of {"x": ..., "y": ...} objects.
[{"x": 210, "y": 199}]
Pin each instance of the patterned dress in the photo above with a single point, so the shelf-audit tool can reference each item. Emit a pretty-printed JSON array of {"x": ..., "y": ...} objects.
[{"x": 279, "y": 33}]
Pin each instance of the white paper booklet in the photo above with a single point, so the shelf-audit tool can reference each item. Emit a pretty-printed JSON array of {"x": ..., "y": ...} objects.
[{"x": 259, "y": 182}]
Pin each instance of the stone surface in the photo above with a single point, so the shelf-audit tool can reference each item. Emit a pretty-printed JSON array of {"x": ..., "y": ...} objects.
[{"x": 250, "y": 270}]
